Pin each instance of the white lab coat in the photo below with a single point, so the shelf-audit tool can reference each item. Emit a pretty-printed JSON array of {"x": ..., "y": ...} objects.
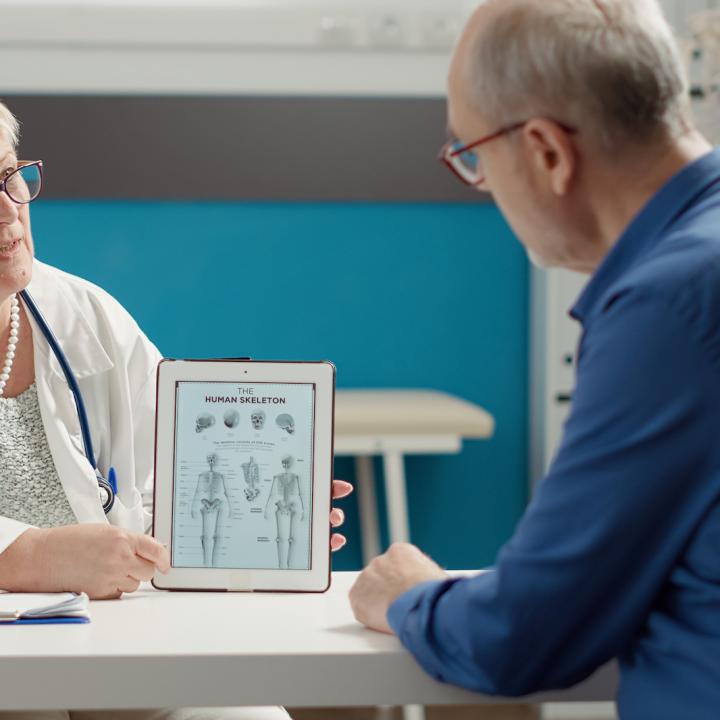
[{"x": 115, "y": 366}]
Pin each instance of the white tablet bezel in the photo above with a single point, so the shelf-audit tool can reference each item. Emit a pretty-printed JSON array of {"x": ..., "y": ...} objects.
[{"x": 322, "y": 376}]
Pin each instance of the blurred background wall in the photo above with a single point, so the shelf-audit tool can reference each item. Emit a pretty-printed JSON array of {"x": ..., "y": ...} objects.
[
  {"x": 397, "y": 295},
  {"x": 260, "y": 178}
]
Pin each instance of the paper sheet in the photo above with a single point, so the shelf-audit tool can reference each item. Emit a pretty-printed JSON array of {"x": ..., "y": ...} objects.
[{"x": 37, "y": 605}]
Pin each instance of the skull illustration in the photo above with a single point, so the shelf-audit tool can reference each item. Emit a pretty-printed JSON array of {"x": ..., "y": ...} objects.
[
  {"x": 204, "y": 421},
  {"x": 231, "y": 418},
  {"x": 286, "y": 423},
  {"x": 258, "y": 419},
  {"x": 287, "y": 462}
]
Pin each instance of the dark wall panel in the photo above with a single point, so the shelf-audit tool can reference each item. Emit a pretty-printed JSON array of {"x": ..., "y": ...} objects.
[{"x": 239, "y": 148}]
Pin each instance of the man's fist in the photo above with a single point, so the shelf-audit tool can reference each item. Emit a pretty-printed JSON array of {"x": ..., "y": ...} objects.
[{"x": 386, "y": 578}]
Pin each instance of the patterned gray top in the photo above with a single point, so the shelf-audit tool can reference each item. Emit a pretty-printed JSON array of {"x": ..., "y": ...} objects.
[{"x": 30, "y": 489}]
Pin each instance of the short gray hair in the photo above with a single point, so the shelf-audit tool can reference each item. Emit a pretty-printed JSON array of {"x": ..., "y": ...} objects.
[
  {"x": 611, "y": 68},
  {"x": 9, "y": 125}
]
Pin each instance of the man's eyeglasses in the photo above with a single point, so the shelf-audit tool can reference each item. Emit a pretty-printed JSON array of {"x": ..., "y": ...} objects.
[
  {"x": 23, "y": 185},
  {"x": 463, "y": 160}
]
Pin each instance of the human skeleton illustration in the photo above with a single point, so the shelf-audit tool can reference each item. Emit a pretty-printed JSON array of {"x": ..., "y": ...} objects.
[
  {"x": 258, "y": 419},
  {"x": 231, "y": 418},
  {"x": 285, "y": 422},
  {"x": 203, "y": 422},
  {"x": 285, "y": 493},
  {"x": 251, "y": 471},
  {"x": 212, "y": 503}
]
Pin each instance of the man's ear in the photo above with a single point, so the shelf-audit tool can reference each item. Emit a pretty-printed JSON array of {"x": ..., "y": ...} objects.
[{"x": 551, "y": 152}]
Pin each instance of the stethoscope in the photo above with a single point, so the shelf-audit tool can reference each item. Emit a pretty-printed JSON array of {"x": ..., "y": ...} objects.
[{"x": 107, "y": 488}]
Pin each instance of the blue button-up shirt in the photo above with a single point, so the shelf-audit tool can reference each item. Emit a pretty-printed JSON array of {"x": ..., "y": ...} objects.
[{"x": 618, "y": 554}]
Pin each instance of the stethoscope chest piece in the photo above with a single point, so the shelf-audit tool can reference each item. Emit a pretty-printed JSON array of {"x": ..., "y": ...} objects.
[{"x": 106, "y": 493}]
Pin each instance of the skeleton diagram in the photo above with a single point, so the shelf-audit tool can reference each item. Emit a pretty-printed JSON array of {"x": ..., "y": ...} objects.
[
  {"x": 231, "y": 418},
  {"x": 285, "y": 422},
  {"x": 203, "y": 422},
  {"x": 285, "y": 493},
  {"x": 258, "y": 419},
  {"x": 212, "y": 502},
  {"x": 251, "y": 471}
]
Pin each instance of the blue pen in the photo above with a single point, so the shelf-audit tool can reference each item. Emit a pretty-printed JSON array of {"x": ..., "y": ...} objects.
[
  {"x": 48, "y": 621},
  {"x": 112, "y": 479}
]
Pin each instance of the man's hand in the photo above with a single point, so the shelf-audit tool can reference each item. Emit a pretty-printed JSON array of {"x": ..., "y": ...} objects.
[
  {"x": 101, "y": 560},
  {"x": 340, "y": 489},
  {"x": 385, "y": 579}
]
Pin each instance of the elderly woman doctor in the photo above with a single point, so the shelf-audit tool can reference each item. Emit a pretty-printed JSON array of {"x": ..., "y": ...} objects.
[{"x": 54, "y": 532}]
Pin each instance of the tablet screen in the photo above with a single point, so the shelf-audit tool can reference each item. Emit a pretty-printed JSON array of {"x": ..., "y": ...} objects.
[{"x": 242, "y": 479}]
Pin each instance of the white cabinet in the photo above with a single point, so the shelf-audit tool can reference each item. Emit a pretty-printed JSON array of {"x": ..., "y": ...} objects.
[{"x": 554, "y": 341}]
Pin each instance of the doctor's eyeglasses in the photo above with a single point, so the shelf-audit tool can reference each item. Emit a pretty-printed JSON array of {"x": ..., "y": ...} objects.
[{"x": 23, "y": 185}]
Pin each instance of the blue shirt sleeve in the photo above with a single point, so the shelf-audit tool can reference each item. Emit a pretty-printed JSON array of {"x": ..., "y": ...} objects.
[{"x": 575, "y": 584}]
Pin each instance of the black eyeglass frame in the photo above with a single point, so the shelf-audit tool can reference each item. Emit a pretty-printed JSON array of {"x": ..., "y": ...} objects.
[{"x": 22, "y": 165}]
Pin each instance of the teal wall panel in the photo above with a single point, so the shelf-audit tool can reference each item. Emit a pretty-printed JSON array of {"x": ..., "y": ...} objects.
[{"x": 397, "y": 295}]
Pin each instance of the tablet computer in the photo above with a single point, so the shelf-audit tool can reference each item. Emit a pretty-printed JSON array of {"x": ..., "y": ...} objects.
[{"x": 243, "y": 474}]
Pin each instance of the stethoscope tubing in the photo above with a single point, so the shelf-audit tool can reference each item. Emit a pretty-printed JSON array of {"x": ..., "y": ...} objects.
[{"x": 77, "y": 396}]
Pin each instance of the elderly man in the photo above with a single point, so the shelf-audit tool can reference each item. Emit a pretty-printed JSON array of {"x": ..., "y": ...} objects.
[{"x": 573, "y": 114}]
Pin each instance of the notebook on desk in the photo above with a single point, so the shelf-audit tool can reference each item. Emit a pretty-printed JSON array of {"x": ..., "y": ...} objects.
[{"x": 43, "y": 608}]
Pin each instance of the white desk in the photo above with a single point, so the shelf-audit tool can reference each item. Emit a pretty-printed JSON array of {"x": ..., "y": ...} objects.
[
  {"x": 395, "y": 423},
  {"x": 157, "y": 649}
]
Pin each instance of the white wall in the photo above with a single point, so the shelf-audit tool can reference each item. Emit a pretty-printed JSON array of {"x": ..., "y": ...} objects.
[
  {"x": 364, "y": 47},
  {"x": 678, "y": 10},
  {"x": 361, "y": 47}
]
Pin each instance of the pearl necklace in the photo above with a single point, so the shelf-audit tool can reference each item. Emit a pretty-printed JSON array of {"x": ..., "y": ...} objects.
[{"x": 12, "y": 343}]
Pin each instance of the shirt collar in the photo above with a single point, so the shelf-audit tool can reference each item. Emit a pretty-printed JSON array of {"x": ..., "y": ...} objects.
[
  {"x": 661, "y": 211},
  {"x": 66, "y": 320}
]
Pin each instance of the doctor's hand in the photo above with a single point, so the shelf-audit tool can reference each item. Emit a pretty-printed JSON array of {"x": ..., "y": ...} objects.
[
  {"x": 340, "y": 489},
  {"x": 101, "y": 560},
  {"x": 386, "y": 578}
]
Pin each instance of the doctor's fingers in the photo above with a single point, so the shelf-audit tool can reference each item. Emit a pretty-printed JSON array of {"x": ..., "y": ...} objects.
[
  {"x": 128, "y": 585},
  {"x": 151, "y": 550},
  {"x": 337, "y": 542},
  {"x": 337, "y": 517},
  {"x": 341, "y": 489},
  {"x": 140, "y": 569}
]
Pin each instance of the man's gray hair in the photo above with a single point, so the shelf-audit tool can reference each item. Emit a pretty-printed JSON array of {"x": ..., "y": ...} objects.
[
  {"x": 610, "y": 68},
  {"x": 9, "y": 125}
]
